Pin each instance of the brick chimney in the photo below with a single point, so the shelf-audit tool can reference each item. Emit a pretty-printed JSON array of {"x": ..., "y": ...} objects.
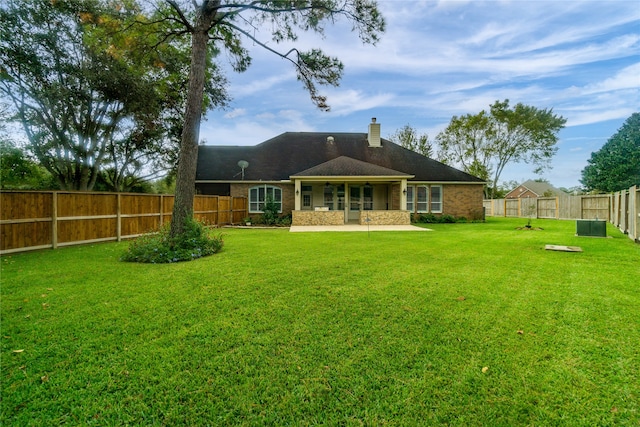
[{"x": 374, "y": 133}]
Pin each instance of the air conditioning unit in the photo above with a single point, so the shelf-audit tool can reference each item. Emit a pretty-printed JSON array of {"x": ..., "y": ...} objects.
[{"x": 591, "y": 228}]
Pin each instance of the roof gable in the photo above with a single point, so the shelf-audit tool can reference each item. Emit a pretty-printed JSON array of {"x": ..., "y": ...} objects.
[
  {"x": 346, "y": 166},
  {"x": 540, "y": 188}
]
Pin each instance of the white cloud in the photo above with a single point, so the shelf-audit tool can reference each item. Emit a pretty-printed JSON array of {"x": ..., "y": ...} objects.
[
  {"x": 246, "y": 130},
  {"x": 260, "y": 84},
  {"x": 627, "y": 78},
  {"x": 235, "y": 113},
  {"x": 344, "y": 102},
  {"x": 594, "y": 116}
]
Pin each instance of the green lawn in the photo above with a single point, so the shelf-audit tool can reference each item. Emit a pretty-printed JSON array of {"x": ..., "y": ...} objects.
[{"x": 469, "y": 325}]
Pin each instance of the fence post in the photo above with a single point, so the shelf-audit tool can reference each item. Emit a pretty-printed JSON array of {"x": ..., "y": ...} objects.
[
  {"x": 635, "y": 190},
  {"x": 160, "y": 210},
  {"x": 557, "y": 207},
  {"x": 54, "y": 219},
  {"x": 504, "y": 212},
  {"x": 118, "y": 219}
]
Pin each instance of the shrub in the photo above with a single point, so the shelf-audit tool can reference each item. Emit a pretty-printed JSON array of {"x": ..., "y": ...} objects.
[
  {"x": 447, "y": 219},
  {"x": 284, "y": 220},
  {"x": 160, "y": 247},
  {"x": 270, "y": 211},
  {"x": 428, "y": 218}
]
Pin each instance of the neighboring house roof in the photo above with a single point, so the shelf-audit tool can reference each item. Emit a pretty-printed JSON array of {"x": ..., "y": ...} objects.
[
  {"x": 538, "y": 188},
  {"x": 293, "y": 153}
]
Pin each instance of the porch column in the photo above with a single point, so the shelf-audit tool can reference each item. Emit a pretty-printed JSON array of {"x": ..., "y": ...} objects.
[
  {"x": 347, "y": 202},
  {"x": 297, "y": 195},
  {"x": 403, "y": 194}
]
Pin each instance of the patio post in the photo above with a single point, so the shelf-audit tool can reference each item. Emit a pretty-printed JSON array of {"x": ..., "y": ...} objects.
[
  {"x": 297, "y": 194},
  {"x": 403, "y": 194}
]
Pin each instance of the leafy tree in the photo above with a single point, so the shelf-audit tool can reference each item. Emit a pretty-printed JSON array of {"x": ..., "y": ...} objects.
[
  {"x": 19, "y": 172},
  {"x": 485, "y": 143},
  {"x": 524, "y": 133},
  {"x": 88, "y": 95},
  {"x": 616, "y": 166},
  {"x": 408, "y": 138},
  {"x": 467, "y": 142},
  {"x": 217, "y": 24}
]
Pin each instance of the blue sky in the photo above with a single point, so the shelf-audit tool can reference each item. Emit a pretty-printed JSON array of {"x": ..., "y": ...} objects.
[{"x": 438, "y": 59}]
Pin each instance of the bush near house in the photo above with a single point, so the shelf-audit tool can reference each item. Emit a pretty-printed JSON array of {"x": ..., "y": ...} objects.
[
  {"x": 157, "y": 248},
  {"x": 430, "y": 218}
]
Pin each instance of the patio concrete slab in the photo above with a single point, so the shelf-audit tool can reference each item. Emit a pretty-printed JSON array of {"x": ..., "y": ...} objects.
[{"x": 354, "y": 227}]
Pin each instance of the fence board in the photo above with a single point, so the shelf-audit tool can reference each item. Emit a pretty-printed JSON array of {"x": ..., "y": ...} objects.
[
  {"x": 634, "y": 213},
  {"x": 82, "y": 230},
  {"x": 547, "y": 207},
  {"x": 239, "y": 209},
  {"x": 45, "y": 219},
  {"x": 511, "y": 207},
  {"x": 595, "y": 207},
  {"x": 225, "y": 210}
]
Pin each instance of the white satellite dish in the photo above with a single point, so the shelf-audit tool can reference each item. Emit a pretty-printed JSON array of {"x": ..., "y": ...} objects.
[{"x": 243, "y": 165}]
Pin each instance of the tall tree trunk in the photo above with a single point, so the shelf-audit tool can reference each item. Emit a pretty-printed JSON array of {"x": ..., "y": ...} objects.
[{"x": 188, "y": 157}]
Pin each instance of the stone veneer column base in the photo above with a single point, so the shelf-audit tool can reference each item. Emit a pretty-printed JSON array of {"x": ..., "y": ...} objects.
[
  {"x": 317, "y": 218},
  {"x": 385, "y": 217}
]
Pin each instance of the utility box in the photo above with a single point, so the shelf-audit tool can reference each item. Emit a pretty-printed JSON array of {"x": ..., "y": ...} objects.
[{"x": 591, "y": 228}]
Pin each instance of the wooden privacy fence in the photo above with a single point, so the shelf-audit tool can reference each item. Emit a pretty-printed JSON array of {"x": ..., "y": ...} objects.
[
  {"x": 621, "y": 209},
  {"x": 48, "y": 219},
  {"x": 625, "y": 212},
  {"x": 564, "y": 207}
]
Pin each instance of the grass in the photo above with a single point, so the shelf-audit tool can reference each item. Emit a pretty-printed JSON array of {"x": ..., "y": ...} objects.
[{"x": 391, "y": 328}]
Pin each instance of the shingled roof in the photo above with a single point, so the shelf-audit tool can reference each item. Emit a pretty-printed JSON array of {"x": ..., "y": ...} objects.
[
  {"x": 293, "y": 153},
  {"x": 539, "y": 188},
  {"x": 346, "y": 166}
]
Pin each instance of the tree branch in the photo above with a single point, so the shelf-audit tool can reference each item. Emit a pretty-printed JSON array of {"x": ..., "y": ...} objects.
[{"x": 183, "y": 19}]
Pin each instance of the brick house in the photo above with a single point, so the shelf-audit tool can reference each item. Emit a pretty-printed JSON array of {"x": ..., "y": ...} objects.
[
  {"x": 532, "y": 190},
  {"x": 337, "y": 178}
]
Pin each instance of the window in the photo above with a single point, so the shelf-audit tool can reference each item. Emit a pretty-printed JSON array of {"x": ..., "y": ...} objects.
[
  {"x": 410, "y": 198},
  {"x": 328, "y": 196},
  {"x": 424, "y": 198},
  {"x": 367, "y": 193},
  {"x": 354, "y": 202},
  {"x": 258, "y": 196},
  {"x": 422, "y": 193},
  {"x": 307, "y": 196},
  {"x": 340, "y": 193},
  {"x": 436, "y": 198}
]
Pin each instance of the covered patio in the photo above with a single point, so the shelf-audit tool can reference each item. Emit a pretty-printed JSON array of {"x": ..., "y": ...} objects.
[{"x": 349, "y": 191}]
